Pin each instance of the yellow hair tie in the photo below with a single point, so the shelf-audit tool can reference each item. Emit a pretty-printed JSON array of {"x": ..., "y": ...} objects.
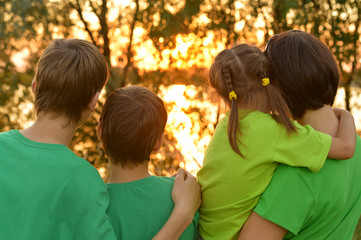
[
  {"x": 265, "y": 81},
  {"x": 232, "y": 95}
]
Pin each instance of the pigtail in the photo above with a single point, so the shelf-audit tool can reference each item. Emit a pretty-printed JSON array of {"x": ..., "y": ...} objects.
[
  {"x": 278, "y": 106},
  {"x": 279, "y": 109},
  {"x": 233, "y": 119}
]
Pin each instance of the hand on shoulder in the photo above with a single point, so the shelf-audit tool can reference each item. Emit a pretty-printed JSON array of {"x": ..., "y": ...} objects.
[{"x": 186, "y": 194}]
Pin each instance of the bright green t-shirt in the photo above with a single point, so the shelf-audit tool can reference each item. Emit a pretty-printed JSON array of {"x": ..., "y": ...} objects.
[
  {"x": 47, "y": 192},
  {"x": 231, "y": 185},
  {"x": 318, "y": 206},
  {"x": 139, "y": 209}
]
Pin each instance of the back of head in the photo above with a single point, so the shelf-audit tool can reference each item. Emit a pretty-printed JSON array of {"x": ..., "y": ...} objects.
[
  {"x": 240, "y": 77},
  {"x": 239, "y": 69},
  {"x": 132, "y": 120},
  {"x": 304, "y": 69},
  {"x": 69, "y": 74}
]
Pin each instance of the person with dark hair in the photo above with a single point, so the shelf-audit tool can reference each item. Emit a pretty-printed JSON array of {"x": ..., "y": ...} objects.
[
  {"x": 299, "y": 204},
  {"x": 131, "y": 127},
  {"x": 252, "y": 139},
  {"x": 47, "y": 192}
]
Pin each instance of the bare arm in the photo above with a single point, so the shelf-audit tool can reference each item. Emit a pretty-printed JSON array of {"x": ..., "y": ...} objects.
[
  {"x": 186, "y": 196},
  {"x": 259, "y": 228},
  {"x": 344, "y": 144}
]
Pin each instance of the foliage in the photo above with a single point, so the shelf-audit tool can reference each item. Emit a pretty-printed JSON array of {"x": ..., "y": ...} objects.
[
  {"x": 179, "y": 35},
  {"x": 15, "y": 95},
  {"x": 182, "y": 36}
]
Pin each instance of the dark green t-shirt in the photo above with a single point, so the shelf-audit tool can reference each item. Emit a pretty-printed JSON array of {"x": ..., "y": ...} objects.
[
  {"x": 317, "y": 206},
  {"x": 139, "y": 209},
  {"x": 47, "y": 192}
]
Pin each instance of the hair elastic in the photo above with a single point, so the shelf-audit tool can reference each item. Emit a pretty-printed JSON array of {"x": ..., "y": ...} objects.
[
  {"x": 232, "y": 95},
  {"x": 265, "y": 81}
]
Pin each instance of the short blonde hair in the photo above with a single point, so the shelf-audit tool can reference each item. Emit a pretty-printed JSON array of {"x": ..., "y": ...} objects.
[{"x": 69, "y": 74}]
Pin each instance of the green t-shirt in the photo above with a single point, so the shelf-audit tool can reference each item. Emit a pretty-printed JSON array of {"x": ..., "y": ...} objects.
[
  {"x": 317, "y": 206},
  {"x": 231, "y": 185},
  {"x": 47, "y": 192},
  {"x": 139, "y": 209}
]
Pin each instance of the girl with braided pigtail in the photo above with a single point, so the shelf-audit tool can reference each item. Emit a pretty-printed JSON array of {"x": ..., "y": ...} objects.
[{"x": 251, "y": 140}]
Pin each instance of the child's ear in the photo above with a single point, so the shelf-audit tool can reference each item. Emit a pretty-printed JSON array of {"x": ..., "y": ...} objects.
[
  {"x": 33, "y": 85},
  {"x": 94, "y": 101},
  {"x": 159, "y": 142},
  {"x": 99, "y": 130}
]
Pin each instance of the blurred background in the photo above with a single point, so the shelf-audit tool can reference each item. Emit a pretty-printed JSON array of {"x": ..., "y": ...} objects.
[{"x": 167, "y": 46}]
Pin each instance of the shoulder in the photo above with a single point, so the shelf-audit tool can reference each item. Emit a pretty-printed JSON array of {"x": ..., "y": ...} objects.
[
  {"x": 256, "y": 121},
  {"x": 152, "y": 186},
  {"x": 88, "y": 173},
  {"x": 289, "y": 184},
  {"x": 84, "y": 178},
  {"x": 299, "y": 175},
  {"x": 9, "y": 136},
  {"x": 289, "y": 198},
  {"x": 167, "y": 182}
]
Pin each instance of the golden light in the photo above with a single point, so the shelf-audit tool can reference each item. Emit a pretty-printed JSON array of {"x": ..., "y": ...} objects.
[
  {"x": 20, "y": 59},
  {"x": 191, "y": 118},
  {"x": 239, "y": 25},
  {"x": 186, "y": 125},
  {"x": 260, "y": 35},
  {"x": 188, "y": 129}
]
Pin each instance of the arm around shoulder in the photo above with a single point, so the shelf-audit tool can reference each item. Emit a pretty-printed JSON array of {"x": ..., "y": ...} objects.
[
  {"x": 344, "y": 144},
  {"x": 259, "y": 228},
  {"x": 187, "y": 199}
]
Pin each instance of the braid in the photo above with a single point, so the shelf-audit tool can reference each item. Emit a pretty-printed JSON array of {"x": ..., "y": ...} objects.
[
  {"x": 227, "y": 78},
  {"x": 233, "y": 120}
]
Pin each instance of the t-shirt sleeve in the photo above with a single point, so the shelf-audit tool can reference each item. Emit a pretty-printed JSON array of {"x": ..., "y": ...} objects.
[
  {"x": 94, "y": 223},
  {"x": 305, "y": 148},
  {"x": 195, "y": 225},
  {"x": 287, "y": 200}
]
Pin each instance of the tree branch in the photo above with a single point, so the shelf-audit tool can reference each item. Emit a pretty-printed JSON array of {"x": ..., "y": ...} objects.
[
  {"x": 129, "y": 49},
  {"x": 80, "y": 13}
]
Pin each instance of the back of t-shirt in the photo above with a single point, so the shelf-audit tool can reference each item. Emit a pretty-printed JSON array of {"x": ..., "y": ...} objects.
[
  {"x": 323, "y": 205},
  {"x": 47, "y": 192},
  {"x": 139, "y": 209}
]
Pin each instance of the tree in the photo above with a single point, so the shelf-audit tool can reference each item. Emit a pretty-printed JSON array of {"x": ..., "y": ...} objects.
[
  {"x": 25, "y": 27},
  {"x": 344, "y": 39}
]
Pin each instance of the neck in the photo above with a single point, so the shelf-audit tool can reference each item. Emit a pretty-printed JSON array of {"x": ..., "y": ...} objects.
[
  {"x": 258, "y": 102},
  {"x": 118, "y": 174},
  {"x": 322, "y": 119},
  {"x": 49, "y": 128}
]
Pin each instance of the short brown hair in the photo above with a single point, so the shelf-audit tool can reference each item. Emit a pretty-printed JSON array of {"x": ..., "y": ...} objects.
[
  {"x": 132, "y": 120},
  {"x": 241, "y": 69},
  {"x": 304, "y": 69},
  {"x": 69, "y": 74}
]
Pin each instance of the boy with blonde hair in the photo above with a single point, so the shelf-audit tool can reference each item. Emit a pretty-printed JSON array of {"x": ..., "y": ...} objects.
[{"x": 131, "y": 126}]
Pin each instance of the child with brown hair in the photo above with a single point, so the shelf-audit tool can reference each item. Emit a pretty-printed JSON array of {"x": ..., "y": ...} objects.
[
  {"x": 131, "y": 126},
  {"x": 252, "y": 139},
  {"x": 47, "y": 192}
]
